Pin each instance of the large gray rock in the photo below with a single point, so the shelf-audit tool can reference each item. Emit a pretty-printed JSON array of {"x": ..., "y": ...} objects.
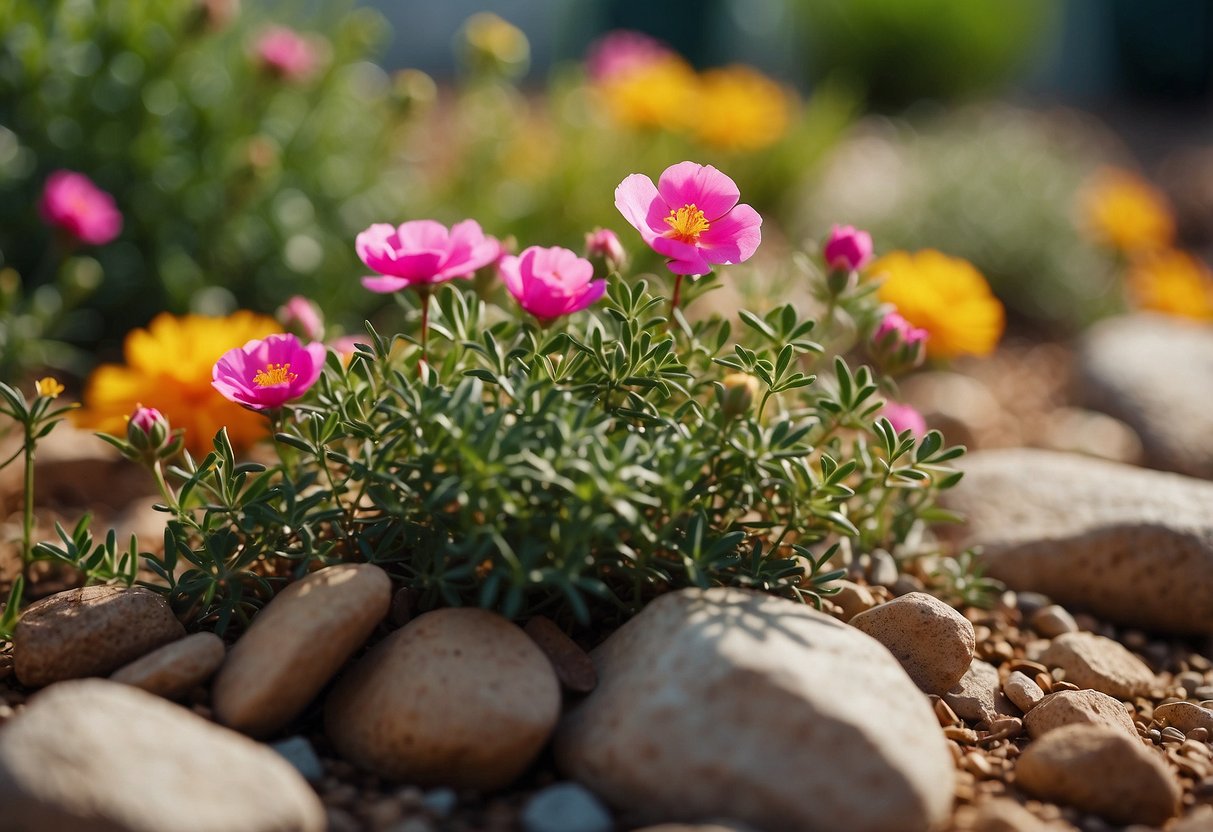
[
  {"x": 1131, "y": 545},
  {"x": 103, "y": 756},
  {"x": 1147, "y": 371},
  {"x": 728, "y": 703}
]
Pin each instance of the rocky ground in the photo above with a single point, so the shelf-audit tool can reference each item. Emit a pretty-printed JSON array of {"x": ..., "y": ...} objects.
[{"x": 1082, "y": 699}]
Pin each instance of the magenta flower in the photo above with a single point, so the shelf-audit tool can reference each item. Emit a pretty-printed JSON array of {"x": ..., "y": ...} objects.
[
  {"x": 604, "y": 243},
  {"x": 268, "y": 372},
  {"x": 903, "y": 417},
  {"x": 550, "y": 282},
  {"x": 147, "y": 419},
  {"x": 423, "y": 252},
  {"x": 286, "y": 53},
  {"x": 898, "y": 329},
  {"x": 622, "y": 51},
  {"x": 691, "y": 216},
  {"x": 848, "y": 249},
  {"x": 147, "y": 430},
  {"x": 72, "y": 202},
  {"x": 301, "y": 316}
]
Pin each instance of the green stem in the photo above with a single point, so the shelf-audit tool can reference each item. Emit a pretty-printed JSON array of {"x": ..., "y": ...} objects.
[{"x": 27, "y": 525}]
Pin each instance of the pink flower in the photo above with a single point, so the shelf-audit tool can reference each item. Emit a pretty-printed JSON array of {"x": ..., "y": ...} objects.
[
  {"x": 146, "y": 419},
  {"x": 147, "y": 431},
  {"x": 604, "y": 243},
  {"x": 423, "y": 252},
  {"x": 848, "y": 248},
  {"x": 300, "y": 315},
  {"x": 286, "y": 53},
  {"x": 550, "y": 282},
  {"x": 268, "y": 372},
  {"x": 896, "y": 327},
  {"x": 691, "y": 216},
  {"x": 72, "y": 202},
  {"x": 903, "y": 417},
  {"x": 622, "y": 51}
]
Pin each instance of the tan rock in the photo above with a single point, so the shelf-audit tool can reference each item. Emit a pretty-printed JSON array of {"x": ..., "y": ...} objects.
[
  {"x": 1023, "y": 691},
  {"x": 1100, "y": 770},
  {"x": 457, "y": 697},
  {"x": 737, "y": 704},
  {"x": 1078, "y": 707},
  {"x": 978, "y": 696},
  {"x": 1099, "y": 663},
  {"x": 933, "y": 642},
  {"x": 93, "y": 754},
  {"x": 1185, "y": 716},
  {"x": 1005, "y": 815},
  {"x": 1053, "y": 620},
  {"x": 852, "y": 599},
  {"x": 176, "y": 668},
  {"x": 296, "y": 644},
  {"x": 90, "y": 632}
]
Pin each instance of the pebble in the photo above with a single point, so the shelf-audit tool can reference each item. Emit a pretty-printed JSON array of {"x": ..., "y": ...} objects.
[
  {"x": 978, "y": 697},
  {"x": 441, "y": 801},
  {"x": 1102, "y": 771},
  {"x": 1005, "y": 815},
  {"x": 296, "y": 644},
  {"x": 852, "y": 598},
  {"x": 1133, "y": 546},
  {"x": 1022, "y": 691},
  {"x": 1099, "y": 663},
  {"x": 1052, "y": 621},
  {"x": 565, "y": 807},
  {"x": 1030, "y": 602},
  {"x": 1078, "y": 707},
  {"x": 933, "y": 642},
  {"x": 883, "y": 569},
  {"x": 298, "y": 751},
  {"x": 176, "y": 668},
  {"x": 94, "y": 754},
  {"x": 708, "y": 699},
  {"x": 90, "y": 632},
  {"x": 458, "y": 697},
  {"x": 573, "y": 666},
  {"x": 1185, "y": 716}
]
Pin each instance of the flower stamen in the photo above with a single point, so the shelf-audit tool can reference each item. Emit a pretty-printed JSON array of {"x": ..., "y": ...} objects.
[
  {"x": 687, "y": 223},
  {"x": 274, "y": 374}
]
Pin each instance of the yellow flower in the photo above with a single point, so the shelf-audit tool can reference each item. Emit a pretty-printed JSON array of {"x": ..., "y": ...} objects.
[
  {"x": 944, "y": 295},
  {"x": 48, "y": 387},
  {"x": 1124, "y": 211},
  {"x": 168, "y": 367},
  {"x": 739, "y": 108},
  {"x": 658, "y": 94},
  {"x": 1172, "y": 282}
]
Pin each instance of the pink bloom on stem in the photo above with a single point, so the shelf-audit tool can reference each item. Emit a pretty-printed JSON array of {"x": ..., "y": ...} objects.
[
  {"x": 146, "y": 419},
  {"x": 302, "y": 317},
  {"x": 848, "y": 248},
  {"x": 268, "y": 372},
  {"x": 604, "y": 243},
  {"x": 622, "y": 51},
  {"x": 285, "y": 52},
  {"x": 423, "y": 252},
  {"x": 897, "y": 327},
  {"x": 903, "y": 417},
  {"x": 550, "y": 282},
  {"x": 72, "y": 202},
  {"x": 691, "y": 216}
]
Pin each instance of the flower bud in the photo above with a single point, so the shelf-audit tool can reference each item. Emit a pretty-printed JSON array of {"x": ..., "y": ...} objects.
[
  {"x": 147, "y": 431},
  {"x": 897, "y": 345},
  {"x": 903, "y": 417},
  {"x": 301, "y": 317},
  {"x": 602, "y": 245},
  {"x": 848, "y": 249},
  {"x": 737, "y": 399}
]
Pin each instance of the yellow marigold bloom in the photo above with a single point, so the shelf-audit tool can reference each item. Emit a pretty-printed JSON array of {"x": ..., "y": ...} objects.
[
  {"x": 741, "y": 109},
  {"x": 48, "y": 387},
  {"x": 168, "y": 367},
  {"x": 1172, "y": 282},
  {"x": 944, "y": 295},
  {"x": 659, "y": 94},
  {"x": 1122, "y": 210}
]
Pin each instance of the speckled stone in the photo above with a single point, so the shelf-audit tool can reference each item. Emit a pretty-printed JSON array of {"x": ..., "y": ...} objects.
[
  {"x": 1078, "y": 707},
  {"x": 933, "y": 642},
  {"x": 852, "y": 599},
  {"x": 978, "y": 696},
  {"x": 1099, "y": 663},
  {"x": 1186, "y": 716},
  {"x": 174, "y": 669}
]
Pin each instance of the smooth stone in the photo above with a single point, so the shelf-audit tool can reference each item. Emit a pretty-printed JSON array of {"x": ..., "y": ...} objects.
[
  {"x": 1077, "y": 707},
  {"x": 728, "y": 703},
  {"x": 933, "y": 642},
  {"x": 1186, "y": 716},
  {"x": 565, "y": 807},
  {"x": 1080, "y": 431},
  {"x": 959, "y": 405},
  {"x": 852, "y": 598},
  {"x": 574, "y": 667},
  {"x": 1132, "y": 546},
  {"x": 98, "y": 755},
  {"x": 1002, "y": 814},
  {"x": 1023, "y": 691},
  {"x": 90, "y": 632},
  {"x": 1052, "y": 621},
  {"x": 978, "y": 696},
  {"x": 1142, "y": 369},
  {"x": 176, "y": 668},
  {"x": 1099, "y": 663},
  {"x": 1102, "y": 771},
  {"x": 883, "y": 570},
  {"x": 457, "y": 697},
  {"x": 298, "y": 751},
  {"x": 296, "y": 644}
]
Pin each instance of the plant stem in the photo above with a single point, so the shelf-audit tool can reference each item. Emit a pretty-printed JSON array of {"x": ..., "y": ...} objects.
[
  {"x": 27, "y": 525},
  {"x": 676, "y": 297},
  {"x": 424, "y": 292}
]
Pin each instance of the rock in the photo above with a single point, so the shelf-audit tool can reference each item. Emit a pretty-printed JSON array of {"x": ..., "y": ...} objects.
[
  {"x": 978, "y": 696},
  {"x": 883, "y": 571},
  {"x": 441, "y": 801},
  {"x": 1077, "y": 707},
  {"x": 457, "y": 697},
  {"x": 852, "y": 598},
  {"x": 177, "y": 667},
  {"x": 565, "y": 807},
  {"x": 298, "y": 751},
  {"x": 1023, "y": 692},
  {"x": 90, "y": 632},
  {"x": 573, "y": 666},
  {"x": 1005, "y": 815},
  {"x": 296, "y": 644},
  {"x": 94, "y": 754},
  {"x": 1130, "y": 545},
  {"x": 1100, "y": 770},
  {"x": 1141, "y": 369},
  {"x": 1186, "y": 716},
  {"x": 933, "y": 642},
  {"x": 1200, "y": 819},
  {"x": 1099, "y": 663},
  {"x": 1052, "y": 621},
  {"x": 732, "y": 703},
  {"x": 957, "y": 404},
  {"x": 1079, "y": 431}
]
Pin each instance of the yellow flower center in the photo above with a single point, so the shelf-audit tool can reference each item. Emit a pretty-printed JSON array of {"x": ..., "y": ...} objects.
[
  {"x": 687, "y": 222},
  {"x": 274, "y": 374}
]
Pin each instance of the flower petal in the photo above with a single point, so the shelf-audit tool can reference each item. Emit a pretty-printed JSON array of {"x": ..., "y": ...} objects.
[
  {"x": 641, "y": 205},
  {"x": 733, "y": 238},
  {"x": 510, "y": 272},
  {"x": 689, "y": 257},
  {"x": 709, "y": 190},
  {"x": 384, "y": 285}
]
